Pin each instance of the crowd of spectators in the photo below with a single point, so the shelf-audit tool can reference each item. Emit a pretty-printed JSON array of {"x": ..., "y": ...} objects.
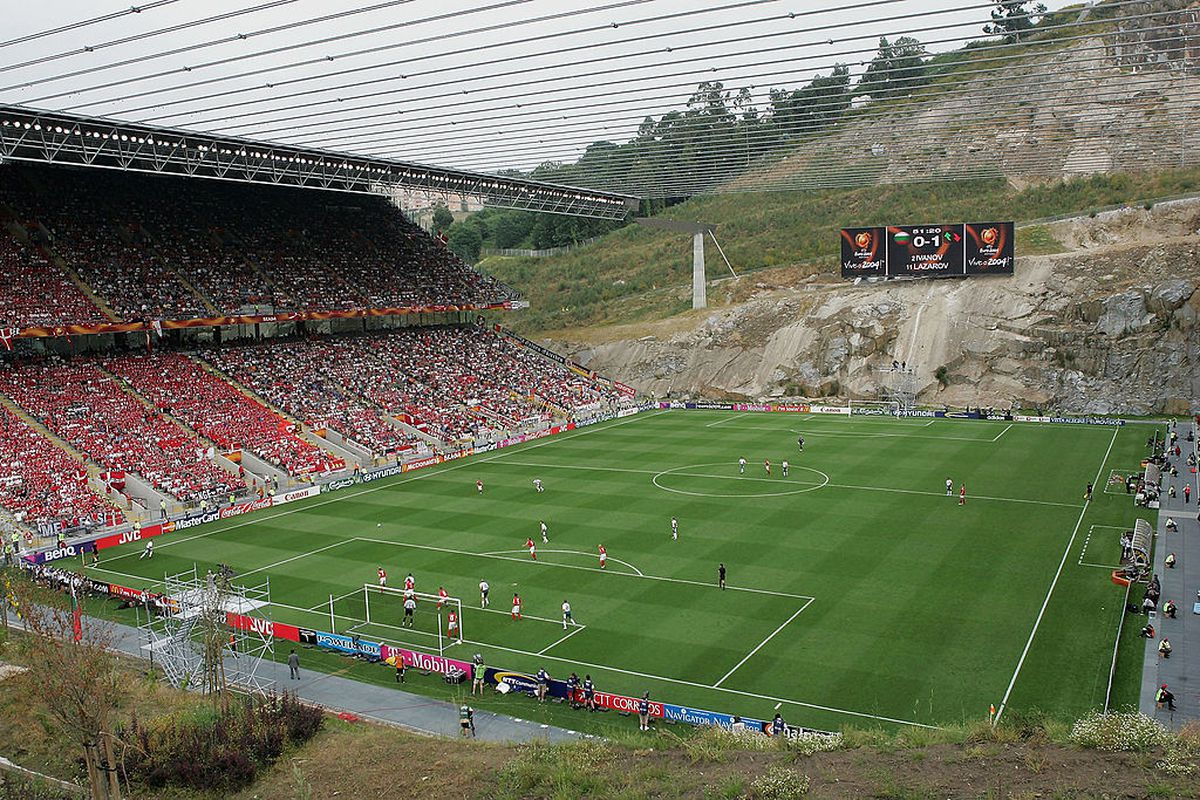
[
  {"x": 39, "y": 483},
  {"x": 318, "y": 385},
  {"x": 217, "y": 411},
  {"x": 155, "y": 247},
  {"x": 37, "y": 293},
  {"x": 89, "y": 410},
  {"x": 454, "y": 383}
]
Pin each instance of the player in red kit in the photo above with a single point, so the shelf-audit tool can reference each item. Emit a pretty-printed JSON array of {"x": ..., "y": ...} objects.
[
  {"x": 603, "y": 557},
  {"x": 767, "y": 466},
  {"x": 516, "y": 609},
  {"x": 452, "y": 625},
  {"x": 410, "y": 582},
  {"x": 442, "y": 595},
  {"x": 479, "y": 486},
  {"x": 382, "y": 576},
  {"x": 532, "y": 548},
  {"x": 962, "y": 495}
]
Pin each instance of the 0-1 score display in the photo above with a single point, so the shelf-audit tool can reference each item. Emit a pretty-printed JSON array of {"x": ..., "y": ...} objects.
[{"x": 984, "y": 248}]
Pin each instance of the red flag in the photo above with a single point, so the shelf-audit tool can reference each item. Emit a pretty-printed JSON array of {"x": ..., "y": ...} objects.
[
  {"x": 7, "y": 335},
  {"x": 76, "y": 616}
]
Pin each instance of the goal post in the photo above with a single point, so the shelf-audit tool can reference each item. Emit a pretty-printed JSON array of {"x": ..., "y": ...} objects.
[
  {"x": 875, "y": 408},
  {"x": 384, "y": 606}
]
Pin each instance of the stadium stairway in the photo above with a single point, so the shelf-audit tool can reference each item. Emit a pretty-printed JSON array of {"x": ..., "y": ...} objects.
[
  {"x": 1181, "y": 672},
  {"x": 88, "y": 292}
]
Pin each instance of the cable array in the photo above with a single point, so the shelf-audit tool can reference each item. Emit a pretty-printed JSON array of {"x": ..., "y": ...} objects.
[{"x": 515, "y": 84}]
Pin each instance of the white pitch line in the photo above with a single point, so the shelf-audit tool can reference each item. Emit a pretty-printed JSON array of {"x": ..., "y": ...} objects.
[
  {"x": 726, "y": 419},
  {"x": 1101, "y": 566},
  {"x": 681, "y": 682},
  {"x": 636, "y": 571},
  {"x": 546, "y": 649},
  {"x": 1045, "y": 603},
  {"x": 585, "y": 569},
  {"x": 293, "y": 558},
  {"x": 789, "y": 480},
  {"x": 1001, "y": 433},
  {"x": 664, "y": 679},
  {"x": 254, "y": 519},
  {"x": 738, "y": 665}
]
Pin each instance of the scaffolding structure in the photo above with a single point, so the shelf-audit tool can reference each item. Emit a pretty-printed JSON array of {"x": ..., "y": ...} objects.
[
  {"x": 899, "y": 387},
  {"x": 189, "y": 635}
]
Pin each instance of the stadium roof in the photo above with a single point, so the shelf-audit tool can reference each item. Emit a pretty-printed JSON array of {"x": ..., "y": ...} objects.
[
  {"x": 44, "y": 136},
  {"x": 502, "y": 87}
]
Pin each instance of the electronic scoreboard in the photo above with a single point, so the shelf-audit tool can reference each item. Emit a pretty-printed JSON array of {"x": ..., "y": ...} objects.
[{"x": 928, "y": 251}]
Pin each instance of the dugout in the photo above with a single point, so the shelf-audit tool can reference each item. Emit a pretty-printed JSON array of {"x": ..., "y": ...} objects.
[
  {"x": 1143, "y": 540},
  {"x": 1153, "y": 474}
]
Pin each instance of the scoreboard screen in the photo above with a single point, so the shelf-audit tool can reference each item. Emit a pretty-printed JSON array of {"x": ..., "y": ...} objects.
[
  {"x": 989, "y": 248},
  {"x": 928, "y": 251},
  {"x": 925, "y": 250}
]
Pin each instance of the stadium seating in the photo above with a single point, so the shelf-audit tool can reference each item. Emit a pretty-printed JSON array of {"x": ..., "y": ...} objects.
[
  {"x": 315, "y": 383},
  {"x": 39, "y": 483},
  {"x": 217, "y": 411},
  {"x": 454, "y": 382},
  {"x": 150, "y": 250},
  {"x": 35, "y": 293},
  {"x": 87, "y": 408}
]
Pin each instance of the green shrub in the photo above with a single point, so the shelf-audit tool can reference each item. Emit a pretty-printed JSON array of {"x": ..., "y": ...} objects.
[{"x": 217, "y": 751}]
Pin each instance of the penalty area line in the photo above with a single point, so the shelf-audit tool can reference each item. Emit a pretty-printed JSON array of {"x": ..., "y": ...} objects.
[
  {"x": 547, "y": 648},
  {"x": 1050, "y": 592},
  {"x": 747, "y": 657}
]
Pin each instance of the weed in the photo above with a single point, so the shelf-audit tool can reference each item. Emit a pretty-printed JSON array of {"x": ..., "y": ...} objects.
[
  {"x": 778, "y": 783},
  {"x": 1035, "y": 762}
]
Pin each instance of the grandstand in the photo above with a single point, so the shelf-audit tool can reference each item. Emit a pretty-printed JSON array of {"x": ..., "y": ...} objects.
[{"x": 131, "y": 262}]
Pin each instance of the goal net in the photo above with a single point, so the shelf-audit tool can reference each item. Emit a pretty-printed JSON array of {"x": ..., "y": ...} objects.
[
  {"x": 875, "y": 408},
  {"x": 435, "y": 618}
]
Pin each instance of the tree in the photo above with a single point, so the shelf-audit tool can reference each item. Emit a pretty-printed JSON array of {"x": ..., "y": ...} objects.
[
  {"x": 465, "y": 241},
  {"x": 897, "y": 69},
  {"x": 814, "y": 106},
  {"x": 442, "y": 218},
  {"x": 76, "y": 680},
  {"x": 1010, "y": 19},
  {"x": 510, "y": 228}
]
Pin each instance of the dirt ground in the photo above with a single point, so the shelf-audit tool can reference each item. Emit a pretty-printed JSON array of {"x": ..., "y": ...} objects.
[{"x": 358, "y": 761}]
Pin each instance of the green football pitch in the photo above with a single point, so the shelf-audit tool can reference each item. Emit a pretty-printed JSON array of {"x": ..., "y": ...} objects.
[{"x": 858, "y": 592}]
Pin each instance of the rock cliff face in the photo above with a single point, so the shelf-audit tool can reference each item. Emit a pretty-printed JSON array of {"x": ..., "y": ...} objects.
[{"x": 1111, "y": 326}]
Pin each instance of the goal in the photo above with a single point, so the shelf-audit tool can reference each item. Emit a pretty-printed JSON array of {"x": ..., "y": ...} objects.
[
  {"x": 875, "y": 408},
  {"x": 384, "y": 606}
]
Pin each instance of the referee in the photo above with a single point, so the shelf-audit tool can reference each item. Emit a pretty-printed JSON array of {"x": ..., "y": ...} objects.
[{"x": 721, "y": 576}]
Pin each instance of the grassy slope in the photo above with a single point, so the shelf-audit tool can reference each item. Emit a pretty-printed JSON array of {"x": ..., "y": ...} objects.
[
  {"x": 637, "y": 273},
  {"x": 922, "y": 608}
]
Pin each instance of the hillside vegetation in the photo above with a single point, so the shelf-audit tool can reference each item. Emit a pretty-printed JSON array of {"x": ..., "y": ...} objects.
[{"x": 637, "y": 274}]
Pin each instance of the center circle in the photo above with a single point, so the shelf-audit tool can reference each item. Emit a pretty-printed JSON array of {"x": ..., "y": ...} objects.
[{"x": 706, "y": 471}]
